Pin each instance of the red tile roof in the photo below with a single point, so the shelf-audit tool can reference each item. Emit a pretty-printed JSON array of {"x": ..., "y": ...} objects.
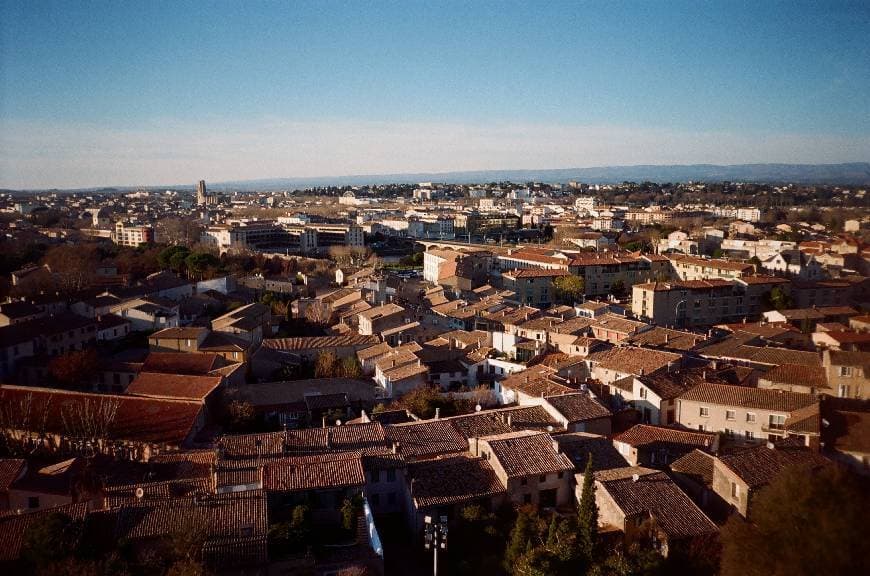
[
  {"x": 759, "y": 465},
  {"x": 136, "y": 419},
  {"x": 658, "y": 496},
  {"x": 453, "y": 480},
  {"x": 320, "y": 472},
  {"x": 745, "y": 396},
  {"x": 174, "y": 385},
  {"x": 643, "y": 434},
  {"x": 527, "y": 453}
]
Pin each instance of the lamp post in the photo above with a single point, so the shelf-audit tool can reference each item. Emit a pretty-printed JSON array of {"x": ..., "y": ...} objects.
[{"x": 436, "y": 537}]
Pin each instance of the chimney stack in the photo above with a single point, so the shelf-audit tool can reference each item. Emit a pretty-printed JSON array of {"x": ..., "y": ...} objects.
[{"x": 437, "y": 413}]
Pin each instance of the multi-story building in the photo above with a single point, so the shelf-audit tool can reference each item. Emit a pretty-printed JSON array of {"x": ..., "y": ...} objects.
[
  {"x": 848, "y": 373},
  {"x": 689, "y": 303},
  {"x": 528, "y": 466},
  {"x": 265, "y": 236},
  {"x": 750, "y": 414},
  {"x": 694, "y": 268},
  {"x": 533, "y": 287},
  {"x": 129, "y": 235}
]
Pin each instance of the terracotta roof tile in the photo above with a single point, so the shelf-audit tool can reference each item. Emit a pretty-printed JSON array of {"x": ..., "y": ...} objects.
[
  {"x": 747, "y": 397},
  {"x": 453, "y": 480},
  {"x": 527, "y": 453}
]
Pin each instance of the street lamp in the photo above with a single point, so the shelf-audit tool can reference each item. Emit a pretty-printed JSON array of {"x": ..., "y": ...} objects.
[{"x": 436, "y": 537}]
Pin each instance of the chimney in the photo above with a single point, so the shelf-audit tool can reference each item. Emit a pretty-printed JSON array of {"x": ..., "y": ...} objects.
[
  {"x": 324, "y": 422},
  {"x": 509, "y": 419},
  {"x": 437, "y": 413},
  {"x": 635, "y": 477},
  {"x": 771, "y": 446},
  {"x": 667, "y": 338}
]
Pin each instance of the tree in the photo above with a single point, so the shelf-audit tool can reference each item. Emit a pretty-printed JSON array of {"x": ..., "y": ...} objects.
[
  {"x": 618, "y": 288},
  {"x": 779, "y": 299},
  {"x": 198, "y": 263},
  {"x": 569, "y": 289},
  {"x": 75, "y": 369},
  {"x": 241, "y": 415},
  {"x": 325, "y": 366},
  {"x": 349, "y": 367},
  {"x": 318, "y": 313},
  {"x": 801, "y": 524},
  {"x": 164, "y": 258},
  {"x": 521, "y": 537},
  {"x": 756, "y": 261},
  {"x": 587, "y": 515},
  {"x": 51, "y": 538}
]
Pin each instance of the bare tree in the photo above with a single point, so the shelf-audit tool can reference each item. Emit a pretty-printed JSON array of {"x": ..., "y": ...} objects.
[
  {"x": 89, "y": 419},
  {"x": 318, "y": 313}
]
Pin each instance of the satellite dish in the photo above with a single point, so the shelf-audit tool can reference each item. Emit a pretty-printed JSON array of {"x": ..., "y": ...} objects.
[
  {"x": 549, "y": 429},
  {"x": 478, "y": 408},
  {"x": 139, "y": 493},
  {"x": 338, "y": 422}
]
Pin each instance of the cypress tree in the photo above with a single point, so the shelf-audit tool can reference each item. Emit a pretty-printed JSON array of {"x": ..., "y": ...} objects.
[{"x": 587, "y": 514}]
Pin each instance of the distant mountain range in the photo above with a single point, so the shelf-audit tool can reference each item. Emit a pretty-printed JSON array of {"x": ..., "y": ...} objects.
[{"x": 856, "y": 173}]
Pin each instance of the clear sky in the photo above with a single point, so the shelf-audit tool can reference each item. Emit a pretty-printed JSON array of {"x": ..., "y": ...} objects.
[{"x": 152, "y": 92}]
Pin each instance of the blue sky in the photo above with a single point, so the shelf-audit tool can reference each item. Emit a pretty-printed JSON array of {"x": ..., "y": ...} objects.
[{"x": 126, "y": 93}]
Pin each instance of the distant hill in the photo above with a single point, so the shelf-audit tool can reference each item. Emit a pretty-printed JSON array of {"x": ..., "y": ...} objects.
[
  {"x": 852, "y": 174},
  {"x": 857, "y": 173}
]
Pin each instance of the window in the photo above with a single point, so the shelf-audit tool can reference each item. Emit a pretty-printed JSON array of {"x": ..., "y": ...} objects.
[
  {"x": 729, "y": 432},
  {"x": 845, "y": 389},
  {"x": 375, "y": 476},
  {"x": 542, "y": 478},
  {"x": 33, "y": 501},
  {"x": 391, "y": 475},
  {"x": 777, "y": 422},
  {"x": 730, "y": 415},
  {"x": 749, "y": 434},
  {"x": 845, "y": 371},
  {"x": 735, "y": 490},
  {"x": 643, "y": 392},
  {"x": 750, "y": 417},
  {"x": 704, "y": 412}
]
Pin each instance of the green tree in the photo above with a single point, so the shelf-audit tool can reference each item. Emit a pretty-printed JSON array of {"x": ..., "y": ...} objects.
[
  {"x": 801, "y": 525},
  {"x": 779, "y": 299},
  {"x": 521, "y": 538},
  {"x": 349, "y": 367},
  {"x": 587, "y": 515},
  {"x": 569, "y": 289},
  {"x": 198, "y": 263},
  {"x": 50, "y": 539},
  {"x": 164, "y": 258}
]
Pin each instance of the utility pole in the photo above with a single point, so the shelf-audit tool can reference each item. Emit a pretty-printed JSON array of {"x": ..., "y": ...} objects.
[{"x": 436, "y": 537}]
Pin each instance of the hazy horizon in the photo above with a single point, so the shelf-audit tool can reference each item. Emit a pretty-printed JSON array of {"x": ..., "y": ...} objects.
[{"x": 126, "y": 94}]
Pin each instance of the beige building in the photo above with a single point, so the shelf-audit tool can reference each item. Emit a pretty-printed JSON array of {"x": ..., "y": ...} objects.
[
  {"x": 529, "y": 465},
  {"x": 632, "y": 499},
  {"x": 694, "y": 268},
  {"x": 750, "y": 414},
  {"x": 738, "y": 476},
  {"x": 689, "y": 302},
  {"x": 375, "y": 320},
  {"x": 848, "y": 373}
]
